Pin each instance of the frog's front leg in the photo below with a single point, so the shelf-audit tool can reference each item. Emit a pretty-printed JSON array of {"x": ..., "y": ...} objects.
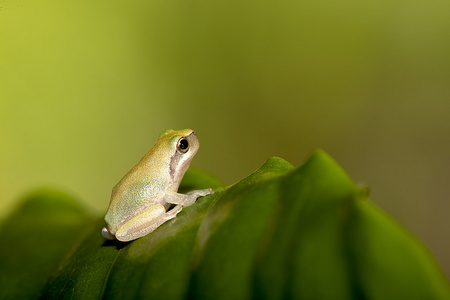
[
  {"x": 186, "y": 199},
  {"x": 145, "y": 222}
]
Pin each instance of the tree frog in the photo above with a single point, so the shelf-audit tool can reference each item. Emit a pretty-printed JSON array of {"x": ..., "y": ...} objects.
[{"x": 146, "y": 196}]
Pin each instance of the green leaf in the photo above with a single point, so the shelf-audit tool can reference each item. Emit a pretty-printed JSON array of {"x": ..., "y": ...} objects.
[
  {"x": 306, "y": 242},
  {"x": 83, "y": 274},
  {"x": 196, "y": 179},
  {"x": 154, "y": 266},
  {"x": 230, "y": 234},
  {"x": 304, "y": 233},
  {"x": 34, "y": 238},
  {"x": 389, "y": 262}
]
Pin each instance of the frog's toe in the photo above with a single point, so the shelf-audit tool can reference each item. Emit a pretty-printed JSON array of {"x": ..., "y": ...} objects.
[
  {"x": 201, "y": 193},
  {"x": 107, "y": 234}
]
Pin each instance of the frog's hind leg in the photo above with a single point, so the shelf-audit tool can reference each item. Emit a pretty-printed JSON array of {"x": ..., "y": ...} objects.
[{"x": 145, "y": 222}]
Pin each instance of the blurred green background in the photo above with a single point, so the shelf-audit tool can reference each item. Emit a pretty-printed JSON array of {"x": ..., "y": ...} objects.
[{"x": 87, "y": 86}]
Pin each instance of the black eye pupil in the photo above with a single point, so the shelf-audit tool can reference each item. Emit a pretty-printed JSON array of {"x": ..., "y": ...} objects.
[{"x": 184, "y": 144}]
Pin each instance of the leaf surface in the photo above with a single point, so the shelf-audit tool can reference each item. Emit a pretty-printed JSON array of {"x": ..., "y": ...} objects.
[
  {"x": 34, "y": 238},
  {"x": 280, "y": 233}
]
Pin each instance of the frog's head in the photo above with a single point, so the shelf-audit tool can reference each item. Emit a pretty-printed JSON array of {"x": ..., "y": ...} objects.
[{"x": 184, "y": 145}]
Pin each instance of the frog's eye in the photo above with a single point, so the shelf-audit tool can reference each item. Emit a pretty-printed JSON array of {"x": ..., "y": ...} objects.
[{"x": 183, "y": 145}]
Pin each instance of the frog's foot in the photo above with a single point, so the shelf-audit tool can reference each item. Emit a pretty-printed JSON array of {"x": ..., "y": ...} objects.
[
  {"x": 186, "y": 199},
  {"x": 107, "y": 234},
  {"x": 192, "y": 196},
  {"x": 200, "y": 193}
]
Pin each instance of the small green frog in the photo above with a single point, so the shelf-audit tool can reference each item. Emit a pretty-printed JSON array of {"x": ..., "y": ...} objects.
[{"x": 146, "y": 196}]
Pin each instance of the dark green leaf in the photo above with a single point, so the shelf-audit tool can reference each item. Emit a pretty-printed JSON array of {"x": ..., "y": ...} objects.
[
  {"x": 84, "y": 273},
  {"x": 280, "y": 233},
  {"x": 34, "y": 238},
  {"x": 195, "y": 179},
  {"x": 231, "y": 233},
  {"x": 154, "y": 266},
  {"x": 389, "y": 262}
]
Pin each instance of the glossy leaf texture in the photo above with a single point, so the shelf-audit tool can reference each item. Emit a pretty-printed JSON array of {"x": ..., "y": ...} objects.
[{"x": 280, "y": 233}]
